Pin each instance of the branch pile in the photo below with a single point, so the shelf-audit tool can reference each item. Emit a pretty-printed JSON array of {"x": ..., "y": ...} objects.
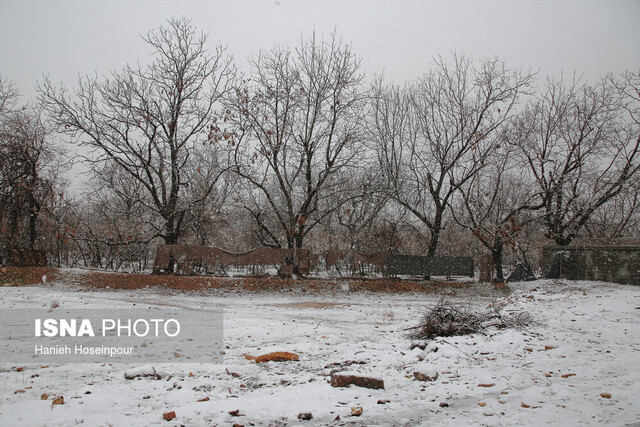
[{"x": 446, "y": 320}]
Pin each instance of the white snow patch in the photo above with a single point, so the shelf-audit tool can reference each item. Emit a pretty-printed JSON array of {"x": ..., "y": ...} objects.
[{"x": 584, "y": 341}]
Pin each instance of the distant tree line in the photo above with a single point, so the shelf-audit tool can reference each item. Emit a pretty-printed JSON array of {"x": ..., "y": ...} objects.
[{"x": 304, "y": 150}]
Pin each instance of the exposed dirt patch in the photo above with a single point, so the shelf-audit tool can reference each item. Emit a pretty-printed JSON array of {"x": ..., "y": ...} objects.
[
  {"x": 29, "y": 276},
  {"x": 311, "y": 304}
]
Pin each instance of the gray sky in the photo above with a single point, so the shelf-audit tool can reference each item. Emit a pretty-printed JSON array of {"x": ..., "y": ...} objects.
[{"x": 63, "y": 38}]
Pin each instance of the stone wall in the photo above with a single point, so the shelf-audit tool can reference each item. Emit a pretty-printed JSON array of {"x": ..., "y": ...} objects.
[{"x": 619, "y": 264}]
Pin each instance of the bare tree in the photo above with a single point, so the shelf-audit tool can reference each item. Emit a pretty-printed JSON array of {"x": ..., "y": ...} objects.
[
  {"x": 628, "y": 86},
  {"x": 297, "y": 133},
  {"x": 146, "y": 120},
  {"x": 350, "y": 226},
  {"x": 209, "y": 212},
  {"x": 581, "y": 153},
  {"x": 58, "y": 224},
  {"x": 433, "y": 136},
  {"x": 495, "y": 204},
  {"x": 30, "y": 182},
  {"x": 29, "y": 178},
  {"x": 619, "y": 218},
  {"x": 8, "y": 96},
  {"x": 116, "y": 224}
]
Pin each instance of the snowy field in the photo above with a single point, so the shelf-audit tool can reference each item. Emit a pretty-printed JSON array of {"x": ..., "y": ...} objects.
[{"x": 576, "y": 364}]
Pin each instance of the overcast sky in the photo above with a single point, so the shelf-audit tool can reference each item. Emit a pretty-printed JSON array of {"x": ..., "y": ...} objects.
[{"x": 63, "y": 38}]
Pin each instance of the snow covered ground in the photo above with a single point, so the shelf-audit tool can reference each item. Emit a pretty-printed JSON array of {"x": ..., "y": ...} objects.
[{"x": 584, "y": 344}]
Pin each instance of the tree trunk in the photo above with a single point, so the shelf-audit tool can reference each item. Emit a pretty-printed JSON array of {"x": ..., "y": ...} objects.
[
  {"x": 34, "y": 211},
  {"x": 170, "y": 238},
  {"x": 13, "y": 227},
  {"x": 435, "y": 233},
  {"x": 172, "y": 229},
  {"x": 433, "y": 243},
  {"x": 496, "y": 252},
  {"x": 298, "y": 239}
]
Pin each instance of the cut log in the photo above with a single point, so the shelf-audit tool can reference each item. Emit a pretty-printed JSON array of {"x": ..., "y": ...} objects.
[
  {"x": 343, "y": 380},
  {"x": 278, "y": 356}
]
